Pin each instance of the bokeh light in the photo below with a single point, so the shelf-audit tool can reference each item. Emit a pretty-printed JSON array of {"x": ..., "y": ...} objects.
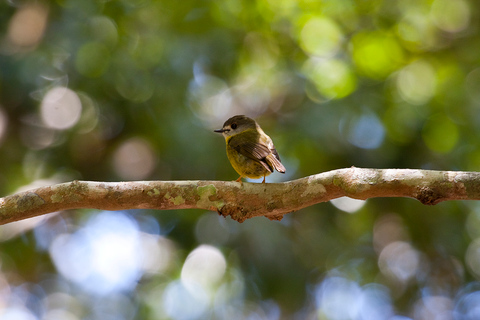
[
  {"x": 107, "y": 256},
  {"x": 333, "y": 78},
  {"x": 17, "y": 314},
  {"x": 335, "y": 293},
  {"x": 204, "y": 266},
  {"x": 467, "y": 302},
  {"x": 61, "y": 108},
  {"x": 416, "y": 82},
  {"x": 3, "y": 124},
  {"x": 27, "y": 26},
  {"x": 376, "y": 54},
  {"x": 92, "y": 59},
  {"x": 472, "y": 257},
  {"x": 399, "y": 261},
  {"x": 332, "y": 296},
  {"x": 210, "y": 98},
  {"x": 104, "y": 30},
  {"x": 213, "y": 229},
  {"x": 183, "y": 301},
  {"x": 100, "y": 261},
  {"x": 387, "y": 229},
  {"x": 35, "y": 135},
  {"x": 320, "y": 36},
  {"x": 367, "y": 132},
  {"x": 440, "y": 134},
  {"x": 472, "y": 224},
  {"x": 134, "y": 159},
  {"x": 348, "y": 204},
  {"x": 472, "y": 85},
  {"x": 136, "y": 86},
  {"x": 433, "y": 307},
  {"x": 131, "y": 90},
  {"x": 451, "y": 15},
  {"x": 417, "y": 30}
]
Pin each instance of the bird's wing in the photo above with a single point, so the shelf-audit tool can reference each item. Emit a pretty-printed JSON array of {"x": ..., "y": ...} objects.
[
  {"x": 257, "y": 151},
  {"x": 252, "y": 150}
]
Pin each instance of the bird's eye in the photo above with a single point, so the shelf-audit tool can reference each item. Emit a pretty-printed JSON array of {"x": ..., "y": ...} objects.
[{"x": 234, "y": 126}]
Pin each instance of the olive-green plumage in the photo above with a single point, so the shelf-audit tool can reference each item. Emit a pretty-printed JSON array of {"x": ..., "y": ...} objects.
[{"x": 250, "y": 151}]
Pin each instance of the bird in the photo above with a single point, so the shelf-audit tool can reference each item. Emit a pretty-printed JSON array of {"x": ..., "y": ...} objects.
[{"x": 250, "y": 150}]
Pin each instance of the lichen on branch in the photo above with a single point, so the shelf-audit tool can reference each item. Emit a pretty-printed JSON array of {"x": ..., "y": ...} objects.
[{"x": 242, "y": 201}]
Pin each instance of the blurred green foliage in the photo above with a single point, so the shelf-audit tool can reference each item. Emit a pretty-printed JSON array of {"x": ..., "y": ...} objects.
[{"x": 383, "y": 84}]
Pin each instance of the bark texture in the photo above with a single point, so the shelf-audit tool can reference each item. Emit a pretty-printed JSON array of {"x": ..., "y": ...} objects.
[{"x": 247, "y": 200}]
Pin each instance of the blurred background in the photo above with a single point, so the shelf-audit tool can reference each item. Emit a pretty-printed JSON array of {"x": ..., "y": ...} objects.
[{"x": 133, "y": 89}]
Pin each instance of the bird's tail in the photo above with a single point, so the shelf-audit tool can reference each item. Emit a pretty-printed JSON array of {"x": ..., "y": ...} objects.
[{"x": 275, "y": 163}]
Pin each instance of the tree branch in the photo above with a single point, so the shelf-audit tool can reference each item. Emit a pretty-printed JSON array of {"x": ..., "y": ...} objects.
[{"x": 247, "y": 200}]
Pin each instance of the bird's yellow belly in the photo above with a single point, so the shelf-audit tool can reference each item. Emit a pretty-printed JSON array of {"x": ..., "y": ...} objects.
[{"x": 246, "y": 167}]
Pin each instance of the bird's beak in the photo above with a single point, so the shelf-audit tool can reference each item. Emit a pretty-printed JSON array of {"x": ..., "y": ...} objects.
[{"x": 220, "y": 130}]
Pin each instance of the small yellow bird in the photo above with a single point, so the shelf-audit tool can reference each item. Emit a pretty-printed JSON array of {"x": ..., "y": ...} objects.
[{"x": 250, "y": 151}]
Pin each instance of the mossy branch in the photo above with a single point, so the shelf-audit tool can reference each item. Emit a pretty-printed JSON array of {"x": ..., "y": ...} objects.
[{"x": 247, "y": 200}]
